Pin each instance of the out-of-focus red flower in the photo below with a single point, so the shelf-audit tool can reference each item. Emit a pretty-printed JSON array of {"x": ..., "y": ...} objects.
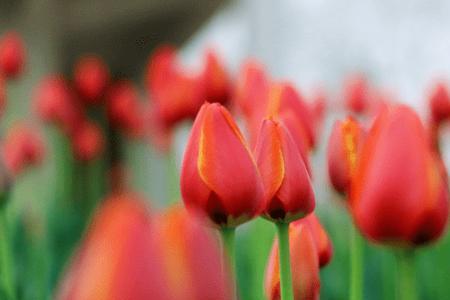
[
  {"x": 12, "y": 55},
  {"x": 215, "y": 79},
  {"x": 304, "y": 265},
  {"x": 22, "y": 147},
  {"x": 91, "y": 76},
  {"x": 88, "y": 141},
  {"x": 323, "y": 243},
  {"x": 343, "y": 146},
  {"x": 356, "y": 94},
  {"x": 191, "y": 257},
  {"x": 439, "y": 102},
  {"x": 398, "y": 195},
  {"x": 119, "y": 257},
  {"x": 318, "y": 108},
  {"x": 176, "y": 94},
  {"x": 124, "y": 109},
  {"x": 219, "y": 175},
  {"x": 288, "y": 191},
  {"x": 54, "y": 103}
]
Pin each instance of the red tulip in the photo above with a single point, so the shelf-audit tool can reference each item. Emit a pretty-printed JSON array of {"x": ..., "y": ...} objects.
[
  {"x": 215, "y": 79},
  {"x": 288, "y": 190},
  {"x": 55, "y": 103},
  {"x": 356, "y": 94},
  {"x": 191, "y": 257},
  {"x": 321, "y": 239},
  {"x": 12, "y": 55},
  {"x": 87, "y": 141},
  {"x": 318, "y": 108},
  {"x": 124, "y": 109},
  {"x": 91, "y": 76},
  {"x": 22, "y": 147},
  {"x": 439, "y": 103},
  {"x": 343, "y": 146},
  {"x": 304, "y": 265},
  {"x": 398, "y": 195},
  {"x": 119, "y": 258},
  {"x": 219, "y": 175}
]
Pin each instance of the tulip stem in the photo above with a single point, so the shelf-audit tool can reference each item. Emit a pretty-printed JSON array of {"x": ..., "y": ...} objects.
[
  {"x": 6, "y": 259},
  {"x": 229, "y": 253},
  {"x": 287, "y": 292},
  {"x": 406, "y": 276},
  {"x": 356, "y": 264}
]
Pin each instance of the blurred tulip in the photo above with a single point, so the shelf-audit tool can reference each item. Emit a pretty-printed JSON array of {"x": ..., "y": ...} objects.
[
  {"x": 356, "y": 94},
  {"x": 323, "y": 243},
  {"x": 118, "y": 259},
  {"x": 191, "y": 257},
  {"x": 88, "y": 141},
  {"x": 22, "y": 147},
  {"x": 219, "y": 175},
  {"x": 304, "y": 265},
  {"x": 91, "y": 76},
  {"x": 216, "y": 80},
  {"x": 288, "y": 190},
  {"x": 55, "y": 103},
  {"x": 12, "y": 55},
  {"x": 398, "y": 195},
  {"x": 124, "y": 109},
  {"x": 439, "y": 102},
  {"x": 343, "y": 146},
  {"x": 319, "y": 108}
]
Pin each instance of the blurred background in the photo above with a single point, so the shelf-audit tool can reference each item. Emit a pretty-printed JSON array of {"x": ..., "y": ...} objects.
[{"x": 400, "y": 46}]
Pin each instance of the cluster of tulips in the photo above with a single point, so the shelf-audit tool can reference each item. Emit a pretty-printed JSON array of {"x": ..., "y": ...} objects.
[{"x": 382, "y": 159}]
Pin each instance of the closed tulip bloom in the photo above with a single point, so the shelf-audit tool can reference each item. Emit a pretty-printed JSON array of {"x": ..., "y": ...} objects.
[
  {"x": 288, "y": 190},
  {"x": 124, "y": 108},
  {"x": 191, "y": 257},
  {"x": 12, "y": 55},
  {"x": 398, "y": 195},
  {"x": 356, "y": 94},
  {"x": 22, "y": 147},
  {"x": 321, "y": 239},
  {"x": 219, "y": 175},
  {"x": 343, "y": 146},
  {"x": 216, "y": 80},
  {"x": 88, "y": 141},
  {"x": 118, "y": 258},
  {"x": 439, "y": 103},
  {"x": 304, "y": 265},
  {"x": 91, "y": 76}
]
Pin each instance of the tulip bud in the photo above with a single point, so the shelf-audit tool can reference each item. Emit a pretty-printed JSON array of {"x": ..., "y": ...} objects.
[
  {"x": 398, "y": 195},
  {"x": 215, "y": 79},
  {"x": 343, "y": 147},
  {"x": 288, "y": 191},
  {"x": 219, "y": 175},
  {"x": 304, "y": 265},
  {"x": 119, "y": 257},
  {"x": 91, "y": 77},
  {"x": 321, "y": 239},
  {"x": 87, "y": 141},
  {"x": 12, "y": 55},
  {"x": 439, "y": 103},
  {"x": 22, "y": 147},
  {"x": 124, "y": 110},
  {"x": 191, "y": 257},
  {"x": 356, "y": 94}
]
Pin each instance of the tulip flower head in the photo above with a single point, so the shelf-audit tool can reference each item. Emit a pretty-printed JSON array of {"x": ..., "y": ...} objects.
[
  {"x": 219, "y": 175},
  {"x": 22, "y": 147},
  {"x": 12, "y": 55},
  {"x": 304, "y": 265},
  {"x": 356, "y": 94},
  {"x": 343, "y": 146},
  {"x": 91, "y": 76},
  {"x": 321, "y": 239},
  {"x": 288, "y": 190},
  {"x": 398, "y": 195},
  {"x": 215, "y": 79},
  {"x": 439, "y": 103},
  {"x": 87, "y": 141}
]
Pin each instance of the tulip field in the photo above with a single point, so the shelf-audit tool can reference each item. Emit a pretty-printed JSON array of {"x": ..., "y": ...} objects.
[{"x": 268, "y": 191}]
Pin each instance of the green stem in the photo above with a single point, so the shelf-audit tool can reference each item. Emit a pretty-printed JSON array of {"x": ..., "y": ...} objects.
[
  {"x": 356, "y": 264},
  {"x": 287, "y": 292},
  {"x": 229, "y": 253},
  {"x": 6, "y": 258},
  {"x": 406, "y": 276}
]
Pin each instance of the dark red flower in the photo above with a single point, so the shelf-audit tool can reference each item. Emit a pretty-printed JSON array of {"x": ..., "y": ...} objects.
[
  {"x": 12, "y": 55},
  {"x": 91, "y": 76}
]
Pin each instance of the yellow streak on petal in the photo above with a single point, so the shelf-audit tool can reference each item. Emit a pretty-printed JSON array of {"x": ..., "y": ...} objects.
[
  {"x": 350, "y": 135},
  {"x": 275, "y": 94}
]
